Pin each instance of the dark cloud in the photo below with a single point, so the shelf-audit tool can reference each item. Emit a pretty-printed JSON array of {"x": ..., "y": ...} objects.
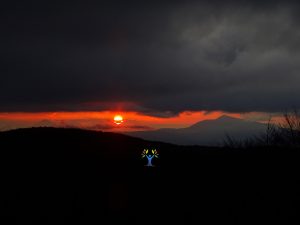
[
  {"x": 103, "y": 126},
  {"x": 158, "y": 59},
  {"x": 111, "y": 126}
]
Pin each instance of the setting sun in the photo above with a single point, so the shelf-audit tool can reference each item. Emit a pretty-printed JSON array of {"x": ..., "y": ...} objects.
[{"x": 118, "y": 119}]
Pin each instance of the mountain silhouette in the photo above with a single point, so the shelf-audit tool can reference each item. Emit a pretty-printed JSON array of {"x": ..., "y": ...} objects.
[
  {"x": 207, "y": 132},
  {"x": 72, "y": 176}
]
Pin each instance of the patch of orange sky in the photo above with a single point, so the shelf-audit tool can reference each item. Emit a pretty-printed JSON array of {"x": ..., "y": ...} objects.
[
  {"x": 183, "y": 119},
  {"x": 131, "y": 119}
]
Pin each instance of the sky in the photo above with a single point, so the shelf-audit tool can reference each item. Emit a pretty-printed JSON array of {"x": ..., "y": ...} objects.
[{"x": 161, "y": 64}]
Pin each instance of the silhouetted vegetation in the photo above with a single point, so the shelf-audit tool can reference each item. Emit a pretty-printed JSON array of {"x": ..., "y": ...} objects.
[
  {"x": 70, "y": 176},
  {"x": 281, "y": 135}
]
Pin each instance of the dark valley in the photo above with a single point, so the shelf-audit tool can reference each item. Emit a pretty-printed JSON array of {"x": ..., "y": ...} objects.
[{"x": 71, "y": 176}]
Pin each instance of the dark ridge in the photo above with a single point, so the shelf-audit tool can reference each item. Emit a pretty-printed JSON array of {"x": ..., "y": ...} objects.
[{"x": 72, "y": 176}]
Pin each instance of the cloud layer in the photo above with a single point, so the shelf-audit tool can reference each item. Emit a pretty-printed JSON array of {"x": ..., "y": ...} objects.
[{"x": 159, "y": 59}]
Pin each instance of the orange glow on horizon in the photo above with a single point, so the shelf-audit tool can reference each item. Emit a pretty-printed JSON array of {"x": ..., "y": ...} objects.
[
  {"x": 102, "y": 120},
  {"x": 186, "y": 118}
]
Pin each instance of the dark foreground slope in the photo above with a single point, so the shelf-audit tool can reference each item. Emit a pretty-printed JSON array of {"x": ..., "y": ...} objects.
[{"x": 60, "y": 176}]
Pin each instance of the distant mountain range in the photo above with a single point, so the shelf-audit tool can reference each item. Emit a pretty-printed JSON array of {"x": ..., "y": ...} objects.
[{"x": 207, "y": 132}]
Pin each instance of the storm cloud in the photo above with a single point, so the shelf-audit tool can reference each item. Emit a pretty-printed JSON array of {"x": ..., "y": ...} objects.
[{"x": 160, "y": 59}]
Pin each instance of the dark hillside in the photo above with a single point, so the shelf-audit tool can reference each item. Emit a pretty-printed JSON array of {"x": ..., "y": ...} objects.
[{"x": 63, "y": 176}]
